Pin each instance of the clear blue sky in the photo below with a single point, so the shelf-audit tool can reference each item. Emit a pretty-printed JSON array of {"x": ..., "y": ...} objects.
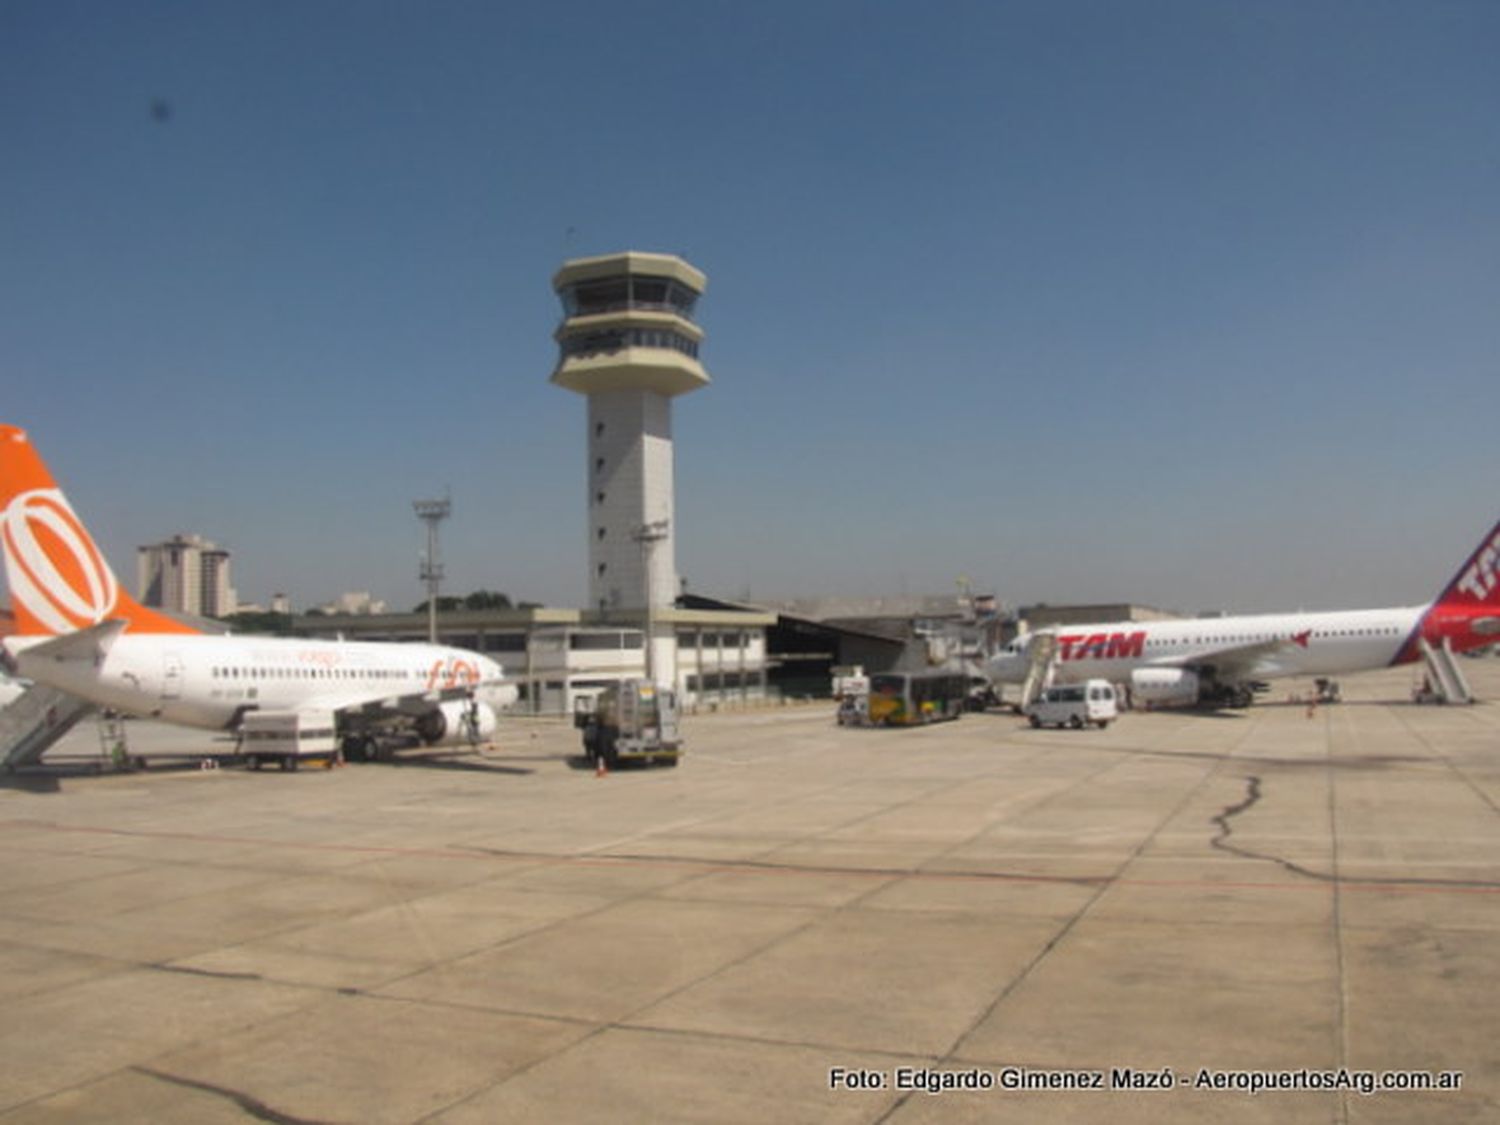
[{"x": 1188, "y": 303}]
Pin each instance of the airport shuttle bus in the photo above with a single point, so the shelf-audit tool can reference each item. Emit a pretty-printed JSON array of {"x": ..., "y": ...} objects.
[{"x": 912, "y": 698}]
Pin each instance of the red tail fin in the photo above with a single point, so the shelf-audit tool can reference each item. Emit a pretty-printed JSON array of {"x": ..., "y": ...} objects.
[
  {"x": 59, "y": 581},
  {"x": 1477, "y": 583},
  {"x": 1466, "y": 614}
]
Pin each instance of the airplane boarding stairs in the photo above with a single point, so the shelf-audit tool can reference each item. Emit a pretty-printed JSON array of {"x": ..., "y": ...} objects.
[
  {"x": 33, "y": 722},
  {"x": 1039, "y": 674},
  {"x": 1446, "y": 676}
]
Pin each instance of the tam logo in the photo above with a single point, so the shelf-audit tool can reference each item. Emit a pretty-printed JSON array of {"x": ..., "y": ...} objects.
[
  {"x": 1102, "y": 646},
  {"x": 1479, "y": 580}
]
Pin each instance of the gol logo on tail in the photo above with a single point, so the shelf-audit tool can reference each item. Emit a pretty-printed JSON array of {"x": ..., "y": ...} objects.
[{"x": 56, "y": 572}]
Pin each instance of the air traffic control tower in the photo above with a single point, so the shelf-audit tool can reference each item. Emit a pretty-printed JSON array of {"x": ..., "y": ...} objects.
[{"x": 628, "y": 341}]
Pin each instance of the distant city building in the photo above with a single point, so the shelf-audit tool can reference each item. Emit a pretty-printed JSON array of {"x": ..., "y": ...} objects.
[
  {"x": 280, "y": 603},
  {"x": 354, "y": 603},
  {"x": 186, "y": 574}
]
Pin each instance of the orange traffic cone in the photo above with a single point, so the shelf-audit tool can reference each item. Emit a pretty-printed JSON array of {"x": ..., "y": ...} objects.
[{"x": 600, "y": 769}]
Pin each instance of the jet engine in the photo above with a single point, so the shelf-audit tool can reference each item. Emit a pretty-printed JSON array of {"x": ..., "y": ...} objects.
[
  {"x": 1164, "y": 687},
  {"x": 455, "y": 722}
]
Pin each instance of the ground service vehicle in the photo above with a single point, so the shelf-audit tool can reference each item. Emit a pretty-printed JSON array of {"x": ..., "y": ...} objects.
[
  {"x": 910, "y": 698},
  {"x": 1076, "y": 706},
  {"x": 634, "y": 721},
  {"x": 851, "y": 688},
  {"x": 288, "y": 738}
]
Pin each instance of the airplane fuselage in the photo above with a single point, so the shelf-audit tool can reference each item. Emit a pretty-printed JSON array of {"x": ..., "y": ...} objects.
[
  {"x": 1315, "y": 644},
  {"x": 1225, "y": 654},
  {"x": 210, "y": 682}
]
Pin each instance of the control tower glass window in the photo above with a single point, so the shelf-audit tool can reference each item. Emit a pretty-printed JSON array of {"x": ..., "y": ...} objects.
[
  {"x": 613, "y": 294},
  {"x": 590, "y": 297},
  {"x": 683, "y": 299},
  {"x": 612, "y": 340},
  {"x": 648, "y": 292}
]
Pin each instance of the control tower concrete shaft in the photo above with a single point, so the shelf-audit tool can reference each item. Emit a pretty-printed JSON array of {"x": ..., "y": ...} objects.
[{"x": 629, "y": 342}]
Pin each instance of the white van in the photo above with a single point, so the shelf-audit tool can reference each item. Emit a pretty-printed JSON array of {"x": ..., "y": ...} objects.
[{"x": 1075, "y": 705}]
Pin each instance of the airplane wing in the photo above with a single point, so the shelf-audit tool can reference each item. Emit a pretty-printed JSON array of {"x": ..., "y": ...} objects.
[
  {"x": 1239, "y": 662},
  {"x": 449, "y": 713},
  {"x": 390, "y": 706}
]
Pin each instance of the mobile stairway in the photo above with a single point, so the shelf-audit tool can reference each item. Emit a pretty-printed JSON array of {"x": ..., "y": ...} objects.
[
  {"x": 1446, "y": 677},
  {"x": 34, "y": 721},
  {"x": 1043, "y": 652}
]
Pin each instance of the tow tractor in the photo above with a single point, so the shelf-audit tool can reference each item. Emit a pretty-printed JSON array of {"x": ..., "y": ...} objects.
[{"x": 634, "y": 721}]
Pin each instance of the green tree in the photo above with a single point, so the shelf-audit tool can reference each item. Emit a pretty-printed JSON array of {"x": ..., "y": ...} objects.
[
  {"x": 486, "y": 599},
  {"x": 446, "y": 604},
  {"x": 269, "y": 624},
  {"x": 479, "y": 599}
]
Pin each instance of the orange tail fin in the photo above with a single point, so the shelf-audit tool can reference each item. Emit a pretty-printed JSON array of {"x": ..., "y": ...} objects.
[{"x": 59, "y": 581}]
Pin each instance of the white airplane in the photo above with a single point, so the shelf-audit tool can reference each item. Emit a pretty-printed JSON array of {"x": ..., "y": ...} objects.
[
  {"x": 1221, "y": 661},
  {"x": 78, "y": 631}
]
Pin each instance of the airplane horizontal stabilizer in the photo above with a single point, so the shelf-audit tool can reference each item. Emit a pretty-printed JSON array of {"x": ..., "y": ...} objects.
[{"x": 89, "y": 644}]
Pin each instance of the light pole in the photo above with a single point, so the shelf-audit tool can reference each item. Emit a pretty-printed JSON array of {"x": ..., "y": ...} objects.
[{"x": 432, "y": 513}]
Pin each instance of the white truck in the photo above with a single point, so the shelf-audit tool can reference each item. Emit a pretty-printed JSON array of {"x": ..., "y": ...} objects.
[
  {"x": 288, "y": 738},
  {"x": 633, "y": 721}
]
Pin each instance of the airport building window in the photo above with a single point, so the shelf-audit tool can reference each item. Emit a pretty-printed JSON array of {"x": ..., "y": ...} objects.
[
  {"x": 610, "y": 294},
  {"x": 682, "y": 299},
  {"x": 648, "y": 290},
  {"x": 609, "y": 641},
  {"x": 590, "y": 297},
  {"x": 614, "y": 339}
]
